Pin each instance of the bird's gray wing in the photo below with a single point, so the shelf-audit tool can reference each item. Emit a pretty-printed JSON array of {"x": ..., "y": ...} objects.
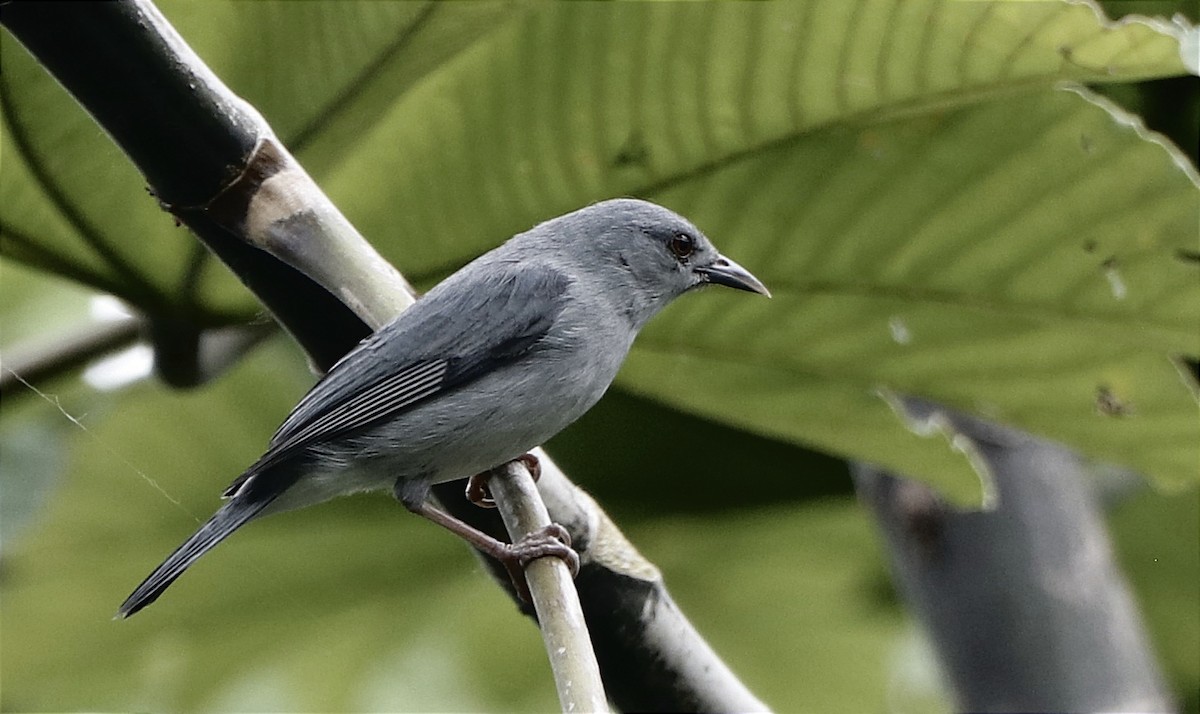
[{"x": 461, "y": 330}]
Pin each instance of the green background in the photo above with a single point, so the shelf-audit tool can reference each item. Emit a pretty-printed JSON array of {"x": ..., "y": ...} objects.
[{"x": 935, "y": 214}]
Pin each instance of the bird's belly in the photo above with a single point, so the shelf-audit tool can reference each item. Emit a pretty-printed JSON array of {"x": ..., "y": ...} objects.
[{"x": 485, "y": 423}]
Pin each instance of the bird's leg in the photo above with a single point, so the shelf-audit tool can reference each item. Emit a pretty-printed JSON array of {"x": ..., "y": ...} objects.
[
  {"x": 477, "y": 488},
  {"x": 553, "y": 540}
]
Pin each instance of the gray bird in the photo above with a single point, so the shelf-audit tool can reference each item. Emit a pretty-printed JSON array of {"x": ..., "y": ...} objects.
[{"x": 492, "y": 362}]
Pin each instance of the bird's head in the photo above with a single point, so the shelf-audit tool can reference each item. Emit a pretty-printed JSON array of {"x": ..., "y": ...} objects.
[{"x": 649, "y": 255}]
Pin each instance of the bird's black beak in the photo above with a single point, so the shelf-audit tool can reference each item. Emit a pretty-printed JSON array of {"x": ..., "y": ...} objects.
[{"x": 724, "y": 271}]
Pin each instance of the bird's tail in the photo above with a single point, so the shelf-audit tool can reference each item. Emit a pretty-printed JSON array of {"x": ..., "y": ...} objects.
[{"x": 225, "y": 521}]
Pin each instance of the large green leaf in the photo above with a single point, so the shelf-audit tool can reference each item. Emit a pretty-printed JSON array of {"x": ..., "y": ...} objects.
[
  {"x": 583, "y": 100},
  {"x": 1029, "y": 282},
  {"x": 938, "y": 219}
]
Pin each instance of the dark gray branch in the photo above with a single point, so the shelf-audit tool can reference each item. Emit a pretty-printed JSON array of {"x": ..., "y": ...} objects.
[
  {"x": 187, "y": 134},
  {"x": 47, "y": 359},
  {"x": 145, "y": 86},
  {"x": 1025, "y": 604},
  {"x": 207, "y": 353}
]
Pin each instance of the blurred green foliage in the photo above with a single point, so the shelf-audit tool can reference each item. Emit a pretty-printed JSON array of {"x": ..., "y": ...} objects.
[{"x": 934, "y": 216}]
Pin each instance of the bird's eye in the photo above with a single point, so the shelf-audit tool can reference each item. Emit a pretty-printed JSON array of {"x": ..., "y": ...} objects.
[{"x": 682, "y": 245}]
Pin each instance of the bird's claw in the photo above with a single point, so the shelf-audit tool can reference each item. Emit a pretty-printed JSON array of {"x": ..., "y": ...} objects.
[
  {"x": 552, "y": 540},
  {"x": 478, "y": 492},
  {"x": 533, "y": 465},
  {"x": 477, "y": 486}
]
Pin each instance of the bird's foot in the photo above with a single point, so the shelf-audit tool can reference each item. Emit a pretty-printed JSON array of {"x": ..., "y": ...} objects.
[
  {"x": 477, "y": 486},
  {"x": 553, "y": 540},
  {"x": 533, "y": 465}
]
